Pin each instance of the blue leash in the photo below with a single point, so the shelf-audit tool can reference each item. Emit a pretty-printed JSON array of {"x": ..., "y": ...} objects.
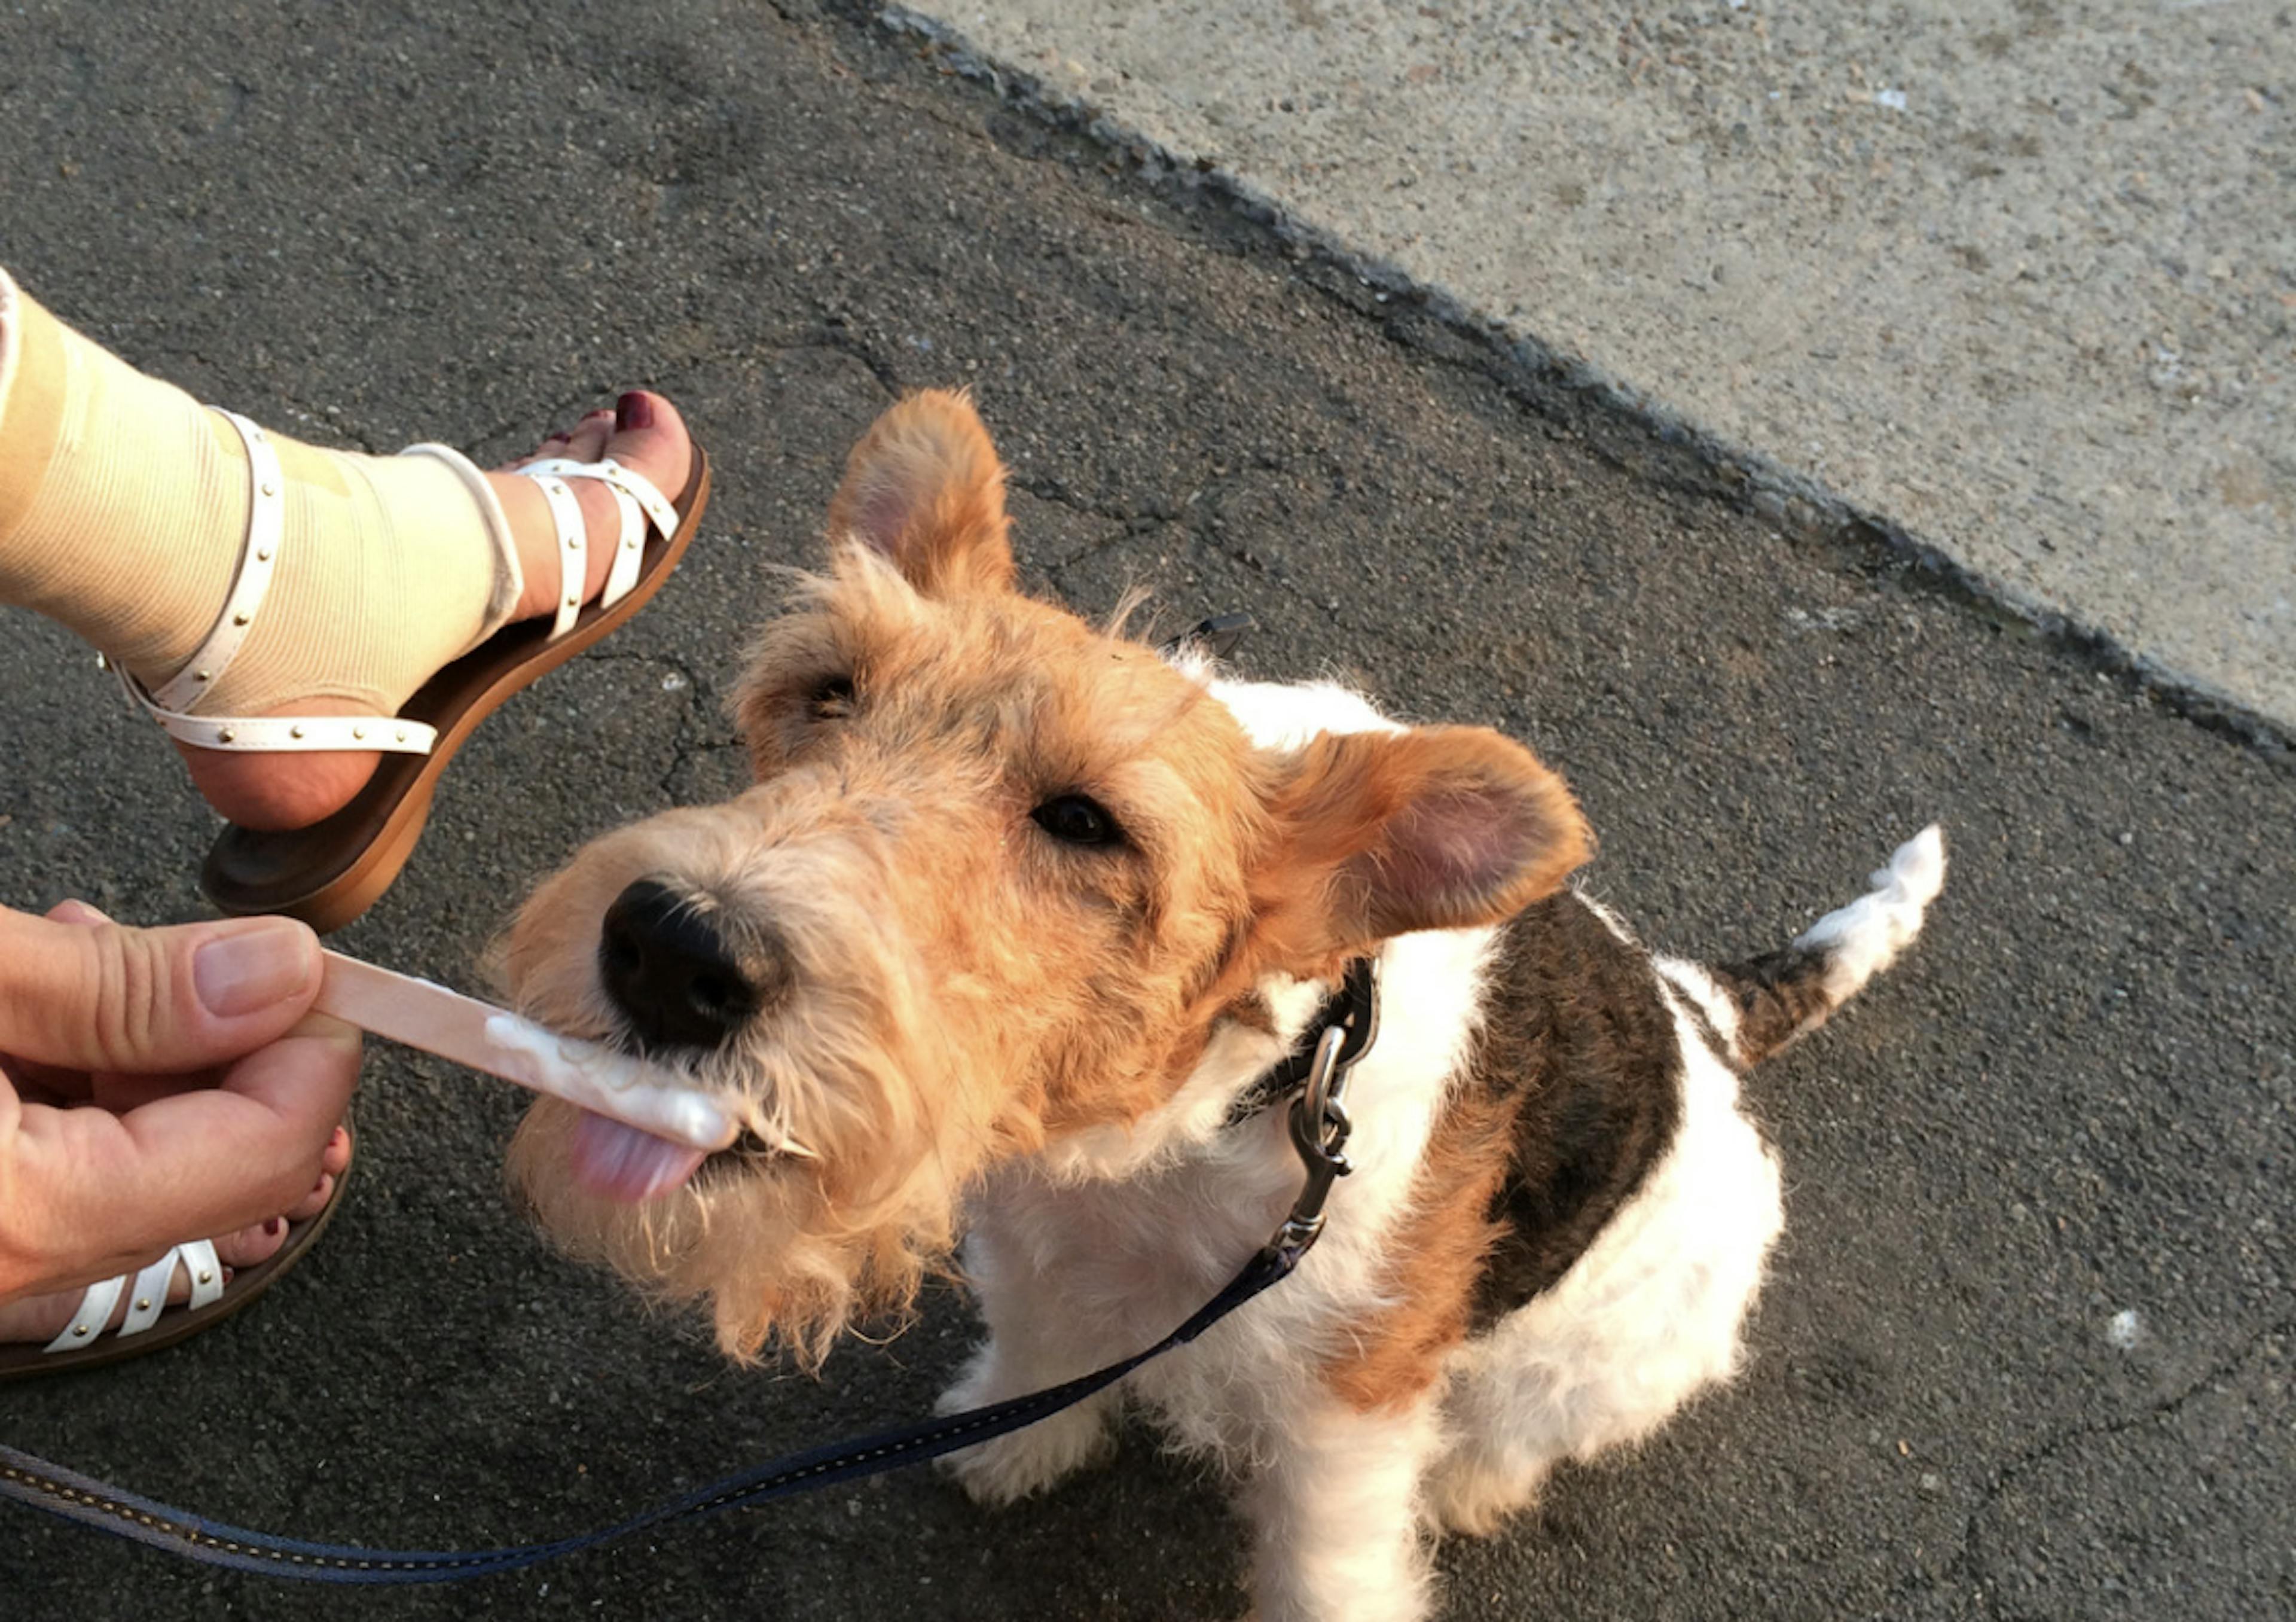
[
  {"x": 1319, "y": 1131},
  {"x": 212, "y": 1542}
]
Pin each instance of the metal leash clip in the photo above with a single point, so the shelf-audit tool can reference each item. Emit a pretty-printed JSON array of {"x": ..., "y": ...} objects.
[{"x": 1319, "y": 1114}]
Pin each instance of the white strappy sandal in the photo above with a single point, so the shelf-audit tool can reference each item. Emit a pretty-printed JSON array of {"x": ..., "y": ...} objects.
[
  {"x": 331, "y": 872},
  {"x": 152, "y": 1322},
  {"x": 201, "y": 1266}
]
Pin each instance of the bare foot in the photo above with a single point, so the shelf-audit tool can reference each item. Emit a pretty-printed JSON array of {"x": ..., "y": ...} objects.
[
  {"x": 268, "y": 792},
  {"x": 41, "y": 1317}
]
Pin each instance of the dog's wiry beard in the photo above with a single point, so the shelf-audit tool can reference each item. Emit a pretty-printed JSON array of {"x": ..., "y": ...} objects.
[
  {"x": 782, "y": 1244},
  {"x": 772, "y": 1249},
  {"x": 893, "y": 1118}
]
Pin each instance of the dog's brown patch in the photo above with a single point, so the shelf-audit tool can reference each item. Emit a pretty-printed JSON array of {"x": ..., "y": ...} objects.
[
  {"x": 1779, "y": 996},
  {"x": 1438, "y": 1253},
  {"x": 1572, "y": 1093}
]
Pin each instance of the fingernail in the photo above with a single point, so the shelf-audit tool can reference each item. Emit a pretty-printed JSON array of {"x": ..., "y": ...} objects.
[
  {"x": 271, "y": 1229},
  {"x": 633, "y": 411},
  {"x": 257, "y": 964}
]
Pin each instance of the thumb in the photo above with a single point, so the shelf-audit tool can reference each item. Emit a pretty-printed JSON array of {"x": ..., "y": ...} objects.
[{"x": 96, "y": 996}]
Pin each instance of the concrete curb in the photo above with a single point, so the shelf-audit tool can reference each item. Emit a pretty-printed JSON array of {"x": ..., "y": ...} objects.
[{"x": 1577, "y": 392}]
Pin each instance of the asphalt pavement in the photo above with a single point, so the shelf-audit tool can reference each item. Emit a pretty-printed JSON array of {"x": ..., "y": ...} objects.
[{"x": 2026, "y": 1351}]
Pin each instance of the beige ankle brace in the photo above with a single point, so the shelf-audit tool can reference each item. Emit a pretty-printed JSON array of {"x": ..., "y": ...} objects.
[{"x": 124, "y": 508}]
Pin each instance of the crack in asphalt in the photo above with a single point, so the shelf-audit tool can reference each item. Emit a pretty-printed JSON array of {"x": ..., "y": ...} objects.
[
  {"x": 1964, "y": 1563},
  {"x": 683, "y": 747},
  {"x": 683, "y": 757},
  {"x": 835, "y": 336},
  {"x": 1132, "y": 523},
  {"x": 1207, "y": 531},
  {"x": 1045, "y": 489}
]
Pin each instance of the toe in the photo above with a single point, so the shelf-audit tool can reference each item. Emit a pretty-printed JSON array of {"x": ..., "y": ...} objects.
[
  {"x": 249, "y": 1246},
  {"x": 588, "y": 442},
  {"x": 550, "y": 449},
  {"x": 646, "y": 434},
  {"x": 649, "y": 438},
  {"x": 315, "y": 1201}
]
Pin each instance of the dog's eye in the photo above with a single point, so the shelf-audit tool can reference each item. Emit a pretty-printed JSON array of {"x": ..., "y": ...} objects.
[
  {"x": 832, "y": 700},
  {"x": 1077, "y": 820}
]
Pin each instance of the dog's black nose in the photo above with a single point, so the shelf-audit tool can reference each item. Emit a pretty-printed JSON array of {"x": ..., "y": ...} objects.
[{"x": 670, "y": 971}]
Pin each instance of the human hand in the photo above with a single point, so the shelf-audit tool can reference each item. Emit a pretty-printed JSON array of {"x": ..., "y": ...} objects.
[{"x": 156, "y": 1086}]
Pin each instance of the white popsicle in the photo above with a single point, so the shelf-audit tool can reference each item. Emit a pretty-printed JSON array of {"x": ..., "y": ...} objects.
[{"x": 422, "y": 1015}]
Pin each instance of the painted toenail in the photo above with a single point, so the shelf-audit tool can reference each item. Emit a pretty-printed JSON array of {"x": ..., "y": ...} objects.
[
  {"x": 631, "y": 412},
  {"x": 271, "y": 1229},
  {"x": 337, "y": 1138}
]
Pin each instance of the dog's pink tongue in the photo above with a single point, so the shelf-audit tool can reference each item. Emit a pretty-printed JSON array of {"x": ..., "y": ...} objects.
[{"x": 622, "y": 1162}]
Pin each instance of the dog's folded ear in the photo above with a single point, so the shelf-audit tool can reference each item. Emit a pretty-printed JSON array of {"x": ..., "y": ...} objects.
[
  {"x": 925, "y": 488},
  {"x": 1383, "y": 833}
]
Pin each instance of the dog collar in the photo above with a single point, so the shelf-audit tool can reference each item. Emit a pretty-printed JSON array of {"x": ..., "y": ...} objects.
[{"x": 1353, "y": 1008}]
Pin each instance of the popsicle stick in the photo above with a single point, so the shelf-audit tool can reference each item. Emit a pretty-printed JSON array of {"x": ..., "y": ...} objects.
[{"x": 420, "y": 1014}]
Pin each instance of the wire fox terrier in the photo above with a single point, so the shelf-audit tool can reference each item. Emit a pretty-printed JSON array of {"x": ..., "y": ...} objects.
[{"x": 1015, "y": 918}]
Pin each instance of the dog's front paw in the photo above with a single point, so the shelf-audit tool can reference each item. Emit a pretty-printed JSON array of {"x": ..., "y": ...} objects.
[
  {"x": 1033, "y": 1458},
  {"x": 1471, "y": 1498}
]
